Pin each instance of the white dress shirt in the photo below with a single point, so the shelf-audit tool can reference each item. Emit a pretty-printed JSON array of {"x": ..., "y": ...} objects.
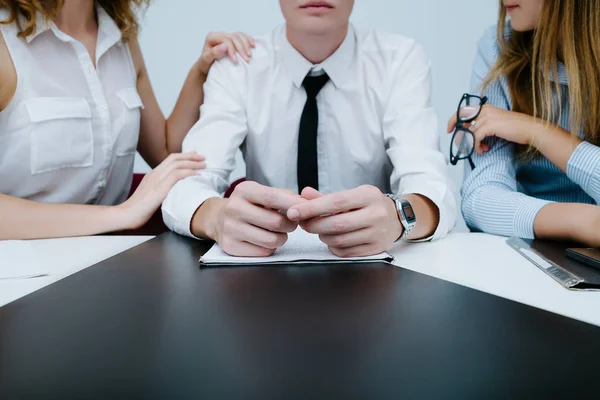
[
  {"x": 376, "y": 124},
  {"x": 71, "y": 130}
]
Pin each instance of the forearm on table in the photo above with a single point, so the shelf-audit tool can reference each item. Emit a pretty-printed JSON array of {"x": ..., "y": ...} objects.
[
  {"x": 205, "y": 220},
  {"x": 427, "y": 214},
  {"x": 24, "y": 219},
  {"x": 501, "y": 211},
  {"x": 181, "y": 209},
  {"x": 565, "y": 221},
  {"x": 187, "y": 110}
]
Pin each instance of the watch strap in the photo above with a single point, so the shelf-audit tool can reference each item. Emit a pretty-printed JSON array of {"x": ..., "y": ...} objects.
[{"x": 401, "y": 202}]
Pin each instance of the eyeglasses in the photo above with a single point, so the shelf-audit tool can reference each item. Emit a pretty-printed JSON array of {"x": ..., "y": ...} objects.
[{"x": 463, "y": 140}]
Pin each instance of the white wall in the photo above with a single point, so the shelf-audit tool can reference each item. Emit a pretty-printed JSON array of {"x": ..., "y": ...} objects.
[{"x": 174, "y": 30}]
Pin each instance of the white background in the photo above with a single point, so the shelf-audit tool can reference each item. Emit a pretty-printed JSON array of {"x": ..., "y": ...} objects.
[{"x": 173, "y": 35}]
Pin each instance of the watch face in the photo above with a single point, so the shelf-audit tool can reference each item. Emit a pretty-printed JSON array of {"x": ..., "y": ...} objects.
[{"x": 408, "y": 213}]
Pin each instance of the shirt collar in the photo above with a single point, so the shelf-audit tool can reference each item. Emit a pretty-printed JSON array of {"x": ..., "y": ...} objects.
[
  {"x": 41, "y": 26},
  {"x": 108, "y": 31},
  {"x": 336, "y": 66}
]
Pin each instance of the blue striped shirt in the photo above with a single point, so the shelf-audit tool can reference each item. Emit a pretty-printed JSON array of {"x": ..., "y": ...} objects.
[{"x": 503, "y": 195}]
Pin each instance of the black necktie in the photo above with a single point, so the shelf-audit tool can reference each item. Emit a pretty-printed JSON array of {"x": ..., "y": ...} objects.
[{"x": 308, "y": 168}]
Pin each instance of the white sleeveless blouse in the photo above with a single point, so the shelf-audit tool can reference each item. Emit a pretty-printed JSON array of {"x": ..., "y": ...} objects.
[{"x": 70, "y": 133}]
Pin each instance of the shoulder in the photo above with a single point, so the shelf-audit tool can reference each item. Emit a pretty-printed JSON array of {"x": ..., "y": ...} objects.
[
  {"x": 8, "y": 75},
  {"x": 263, "y": 57},
  {"x": 488, "y": 51},
  {"x": 4, "y": 14},
  {"x": 136, "y": 55},
  {"x": 6, "y": 27},
  {"x": 385, "y": 44},
  {"x": 488, "y": 46},
  {"x": 267, "y": 45},
  {"x": 391, "y": 50}
]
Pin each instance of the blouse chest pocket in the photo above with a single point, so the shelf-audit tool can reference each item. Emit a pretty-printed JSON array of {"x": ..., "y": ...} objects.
[
  {"x": 127, "y": 124},
  {"x": 61, "y": 134}
]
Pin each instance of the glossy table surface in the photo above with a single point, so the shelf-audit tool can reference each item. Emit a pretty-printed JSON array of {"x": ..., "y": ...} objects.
[
  {"x": 150, "y": 324},
  {"x": 478, "y": 261}
]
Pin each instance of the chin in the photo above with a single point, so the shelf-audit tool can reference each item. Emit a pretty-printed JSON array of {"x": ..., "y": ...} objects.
[
  {"x": 317, "y": 26},
  {"x": 521, "y": 26}
]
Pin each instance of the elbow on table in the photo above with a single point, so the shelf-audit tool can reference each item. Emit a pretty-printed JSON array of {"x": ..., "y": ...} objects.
[{"x": 469, "y": 214}]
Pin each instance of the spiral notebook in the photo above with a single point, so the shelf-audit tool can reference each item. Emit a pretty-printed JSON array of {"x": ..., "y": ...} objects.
[{"x": 301, "y": 248}]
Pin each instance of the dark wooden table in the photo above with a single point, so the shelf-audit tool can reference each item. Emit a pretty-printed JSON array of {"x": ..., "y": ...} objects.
[{"x": 150, "y": 323}]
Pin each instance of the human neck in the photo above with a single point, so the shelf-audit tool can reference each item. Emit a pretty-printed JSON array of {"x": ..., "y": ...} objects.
[
  {"x": 316, "y": 48},
  {"x": 77, "y": 17}
]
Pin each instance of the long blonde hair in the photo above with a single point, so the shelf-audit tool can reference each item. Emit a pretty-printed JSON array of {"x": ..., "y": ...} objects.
[
  {"x": 123, "y": 12},
  {"x": 568, "y": 30}
]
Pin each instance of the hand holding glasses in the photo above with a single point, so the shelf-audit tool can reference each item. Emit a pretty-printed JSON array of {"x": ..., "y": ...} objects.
[{"x": 463, "y": 139}]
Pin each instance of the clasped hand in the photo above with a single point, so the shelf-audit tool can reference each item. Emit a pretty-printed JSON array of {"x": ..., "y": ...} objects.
[{"x": 256, "y": 220}]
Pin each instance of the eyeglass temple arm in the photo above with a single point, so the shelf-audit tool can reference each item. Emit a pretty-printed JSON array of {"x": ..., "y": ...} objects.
[{"x": 471, "y": 163}]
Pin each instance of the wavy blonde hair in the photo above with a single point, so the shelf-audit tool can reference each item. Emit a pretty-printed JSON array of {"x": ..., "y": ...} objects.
[
  {"x": 123, "y": 12},
  {"x": 568, "y": 31}
]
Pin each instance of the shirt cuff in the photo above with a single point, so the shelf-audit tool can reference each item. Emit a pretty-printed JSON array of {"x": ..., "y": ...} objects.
[
  {"x": 583, "y": 167},
  {"x": 524, "y": 219},
  {"x": 429, "y": 239},
  {"x": 440, "y": 195},
  {"x": 181, "y": 204}
]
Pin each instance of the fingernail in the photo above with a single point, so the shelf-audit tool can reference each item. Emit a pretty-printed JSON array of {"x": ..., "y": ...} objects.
[{"x": 293, "y": 213}]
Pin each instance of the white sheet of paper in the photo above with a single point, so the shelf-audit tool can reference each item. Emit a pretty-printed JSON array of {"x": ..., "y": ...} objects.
[
  {"x": 301, "y": 247},
  {"x": 18, "y": 260}
]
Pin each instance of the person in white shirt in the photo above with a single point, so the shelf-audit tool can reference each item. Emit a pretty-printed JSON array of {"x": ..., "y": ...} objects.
[
  {"x": 75, "y": 104},
  {"x": 338, "y": 115}
]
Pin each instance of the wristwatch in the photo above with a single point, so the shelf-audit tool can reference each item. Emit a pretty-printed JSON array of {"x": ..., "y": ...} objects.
[{"x": 406, "y": 214}]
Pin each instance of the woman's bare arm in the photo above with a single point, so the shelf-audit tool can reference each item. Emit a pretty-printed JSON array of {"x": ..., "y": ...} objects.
[
  {"x": 24, "y": 219},
  {"x": 8, "y": 76},
  {"x": 569, "y": 222},
  {"x": 159, "y": 136}
]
